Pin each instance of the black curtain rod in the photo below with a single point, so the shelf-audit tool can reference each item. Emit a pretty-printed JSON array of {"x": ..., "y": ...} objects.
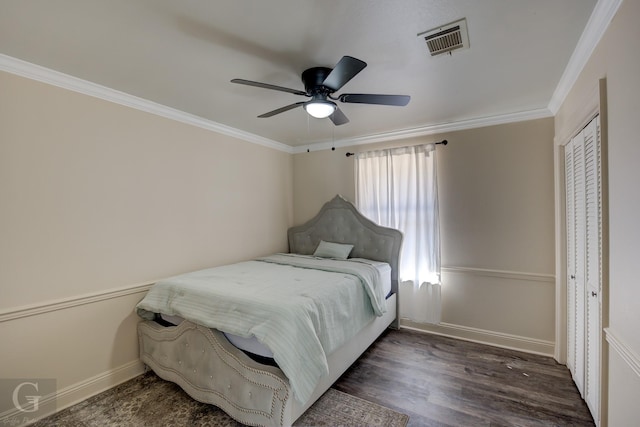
[{"x": 443, "y": 142}]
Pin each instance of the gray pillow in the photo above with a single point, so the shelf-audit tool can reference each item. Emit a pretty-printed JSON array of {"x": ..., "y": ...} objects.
[{"x": 333, "y": 250}]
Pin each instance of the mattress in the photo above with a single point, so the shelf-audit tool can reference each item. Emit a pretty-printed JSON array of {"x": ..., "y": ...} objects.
[{"x": 253, "y": 346}]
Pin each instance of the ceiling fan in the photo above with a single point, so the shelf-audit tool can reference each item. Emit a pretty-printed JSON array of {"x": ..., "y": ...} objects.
[{"x": 320, "y": 83}]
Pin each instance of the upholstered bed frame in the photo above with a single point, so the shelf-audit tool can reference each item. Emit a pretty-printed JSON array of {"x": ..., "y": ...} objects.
[{"x": 211, "y": 370}]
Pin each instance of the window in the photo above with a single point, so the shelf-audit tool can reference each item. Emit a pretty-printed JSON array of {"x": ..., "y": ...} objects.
[{"x": 398, "y": 188}]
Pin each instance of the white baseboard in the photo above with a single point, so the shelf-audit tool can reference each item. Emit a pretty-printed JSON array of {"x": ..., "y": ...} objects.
[
  {"x": 482, "y": 336},
  {"x": 76, "y": 393}
]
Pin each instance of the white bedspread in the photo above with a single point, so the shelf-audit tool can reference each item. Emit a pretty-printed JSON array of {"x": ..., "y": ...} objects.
[{"x": 300, "y": 307}]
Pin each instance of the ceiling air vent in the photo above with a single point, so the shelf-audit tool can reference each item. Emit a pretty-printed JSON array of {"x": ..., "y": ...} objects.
[{"x": 447, "y": 38}]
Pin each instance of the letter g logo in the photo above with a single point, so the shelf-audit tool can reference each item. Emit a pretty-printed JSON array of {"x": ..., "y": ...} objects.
[{"x": 34, "y": 400}]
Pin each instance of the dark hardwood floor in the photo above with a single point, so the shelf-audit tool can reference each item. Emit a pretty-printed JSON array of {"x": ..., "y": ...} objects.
[{"x": 441, "y": 381}]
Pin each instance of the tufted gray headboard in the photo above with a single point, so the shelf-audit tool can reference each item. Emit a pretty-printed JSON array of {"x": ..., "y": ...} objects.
[{"x": 340, "y": 222}]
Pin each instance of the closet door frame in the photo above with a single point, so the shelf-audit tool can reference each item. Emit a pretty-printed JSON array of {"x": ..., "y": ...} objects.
[{"x": 594, "y": 104}]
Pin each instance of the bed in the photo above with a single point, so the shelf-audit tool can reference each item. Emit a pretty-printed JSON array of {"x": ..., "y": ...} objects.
[{"x": 242, "y": 369}]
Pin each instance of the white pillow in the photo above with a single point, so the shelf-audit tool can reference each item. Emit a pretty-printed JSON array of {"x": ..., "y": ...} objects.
[{"x": 333, "y": 250}]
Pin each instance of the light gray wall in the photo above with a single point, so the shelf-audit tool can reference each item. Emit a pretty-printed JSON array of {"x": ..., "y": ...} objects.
[
  {"x": 497, "y": 217},
  {"x": 617, "y": 59},
  {"x": 97, "y": 202}
]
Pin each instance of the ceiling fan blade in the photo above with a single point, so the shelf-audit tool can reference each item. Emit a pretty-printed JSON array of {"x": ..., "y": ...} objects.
[
  {"x": 268, "y": 86},
  {"x": 338, "y": 118},
  {"x": 281, "y": 109},
  {"x": 345, "y": 70},
  {"x": 364, "y": 98}
]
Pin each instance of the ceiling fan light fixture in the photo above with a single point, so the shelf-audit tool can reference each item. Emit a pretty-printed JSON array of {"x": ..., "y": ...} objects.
[
  {"x": 320, "y": 83},
  {"x": 320, "y": 109}
]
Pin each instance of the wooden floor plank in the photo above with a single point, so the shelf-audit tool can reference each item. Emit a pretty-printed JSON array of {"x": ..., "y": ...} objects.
[{"x": 440, "y": 381}]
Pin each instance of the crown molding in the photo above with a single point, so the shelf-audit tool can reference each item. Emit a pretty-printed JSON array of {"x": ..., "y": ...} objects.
[
  {"x": 596, "y": 26},
  {"x": 55, "y": 78},
  {"x": 428, "y": 130},
  {"x": 601, "y": 17}
]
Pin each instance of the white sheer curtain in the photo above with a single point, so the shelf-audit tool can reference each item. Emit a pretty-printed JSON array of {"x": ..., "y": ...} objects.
[{"x": 398, "y": 188}]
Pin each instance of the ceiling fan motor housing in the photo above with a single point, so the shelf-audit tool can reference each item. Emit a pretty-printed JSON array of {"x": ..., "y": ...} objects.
[{"x": 313, "y": 79}]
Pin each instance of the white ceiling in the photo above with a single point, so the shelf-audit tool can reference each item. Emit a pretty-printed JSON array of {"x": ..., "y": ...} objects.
[{"x": 183, "y": 54}]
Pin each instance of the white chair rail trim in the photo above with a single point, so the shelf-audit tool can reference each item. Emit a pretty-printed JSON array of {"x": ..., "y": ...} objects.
[
  {"x": 627, "y": 354},
  {"x": 502, "y": 274},
  {"x": 64, "y": 303}
]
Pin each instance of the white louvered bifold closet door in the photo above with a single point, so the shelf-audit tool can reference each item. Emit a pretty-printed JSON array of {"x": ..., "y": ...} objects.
[
  {"x": 593, "y": 267},
  {"x": 583, "y": 173},
  {"x": 576, "y": 275},
  {"x": 571, "y": 259}
]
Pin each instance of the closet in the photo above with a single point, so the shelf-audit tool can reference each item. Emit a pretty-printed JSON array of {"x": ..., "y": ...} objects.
[{"x": 583, "y": 179}]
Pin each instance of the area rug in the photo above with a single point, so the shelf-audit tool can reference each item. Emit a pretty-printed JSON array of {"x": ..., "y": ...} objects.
[{"x": 148, "y": 400}]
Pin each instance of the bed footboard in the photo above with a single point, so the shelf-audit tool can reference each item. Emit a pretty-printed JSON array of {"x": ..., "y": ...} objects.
[{"x": 211, "y": 370}]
